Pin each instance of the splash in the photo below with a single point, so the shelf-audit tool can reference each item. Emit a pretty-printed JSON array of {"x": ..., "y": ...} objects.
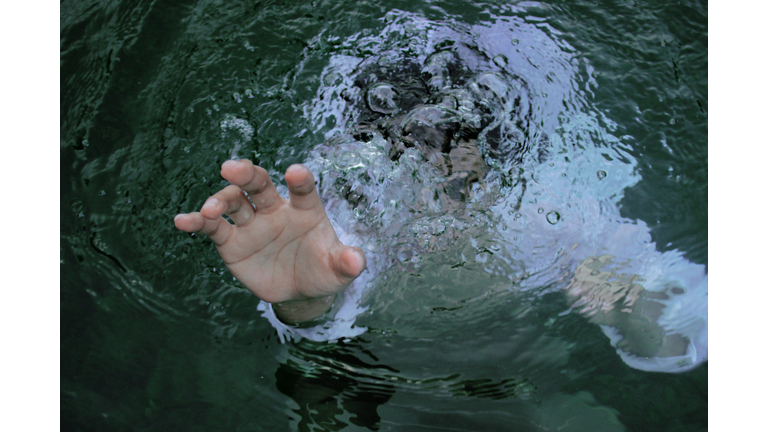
[{"x": 399, "y": 124}]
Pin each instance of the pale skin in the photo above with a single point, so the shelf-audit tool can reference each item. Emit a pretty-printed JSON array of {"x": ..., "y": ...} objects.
[{"x": 284, "y": 251}]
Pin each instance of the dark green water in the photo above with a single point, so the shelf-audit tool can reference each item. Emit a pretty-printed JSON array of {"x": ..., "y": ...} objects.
[{"x": 156, "y": 335}]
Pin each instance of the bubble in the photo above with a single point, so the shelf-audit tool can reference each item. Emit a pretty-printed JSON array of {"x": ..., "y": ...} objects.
[
  {"x": 514, "y": 42},
  {"x": 383, "y": 98},
  {"x": 601, "y": 174},
  {"x": 540, "y": 210},
  {"x": 490, "y": 86},
  {"x": 500, "y": 61},
  {"x": 331, "y": 79},
  {"x": 435, "y": 71},
  {"x": 77, "y": 206},
  {"x": 553, "y": 217}
]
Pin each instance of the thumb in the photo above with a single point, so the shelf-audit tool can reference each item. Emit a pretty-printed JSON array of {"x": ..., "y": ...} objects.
[{"x": 349, "y": 262}]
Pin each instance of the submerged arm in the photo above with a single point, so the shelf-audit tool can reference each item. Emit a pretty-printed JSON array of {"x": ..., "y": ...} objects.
[{"x": 607, "y": 298}]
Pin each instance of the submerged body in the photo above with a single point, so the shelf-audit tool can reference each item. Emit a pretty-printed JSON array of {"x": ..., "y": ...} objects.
[{"x": 437, "y": 143}]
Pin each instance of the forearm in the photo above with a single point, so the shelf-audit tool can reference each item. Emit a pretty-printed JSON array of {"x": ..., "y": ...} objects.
[
  {"x": 639, "y": 327},
  {"x": 621, "y": 302}
]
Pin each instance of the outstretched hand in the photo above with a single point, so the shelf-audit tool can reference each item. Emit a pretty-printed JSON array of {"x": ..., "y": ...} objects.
[{"x": 285, "y": 251}]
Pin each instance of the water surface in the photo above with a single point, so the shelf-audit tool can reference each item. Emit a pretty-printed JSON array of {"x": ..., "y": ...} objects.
[{"x": 157, "y": 334}]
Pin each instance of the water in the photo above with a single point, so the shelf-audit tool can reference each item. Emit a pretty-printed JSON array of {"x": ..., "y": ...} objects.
[{"x": 464, "y": 325}]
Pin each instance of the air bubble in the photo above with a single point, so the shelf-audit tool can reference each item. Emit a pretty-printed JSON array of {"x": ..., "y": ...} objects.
[
  {"x": 601, "y": 174},
  {"x": 553, "y": 217},
  {"x": 383, "y": 98},
  {"x": 77, "y": 206},
  {"x": 331, "y": 79},
  {"x": 540, "y": 210},
  {"x": 500, "y": 61}
]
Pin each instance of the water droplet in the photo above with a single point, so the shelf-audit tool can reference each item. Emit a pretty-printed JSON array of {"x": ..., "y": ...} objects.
[
  {"x": 500, "y": 60},
  {"x": 553, "y": 217},
  {"x": 601, "y": 174},
  {"x": 540, "y": 210}
]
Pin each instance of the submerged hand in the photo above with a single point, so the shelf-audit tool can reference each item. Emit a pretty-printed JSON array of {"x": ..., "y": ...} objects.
[{"x": 285, "y": 251}]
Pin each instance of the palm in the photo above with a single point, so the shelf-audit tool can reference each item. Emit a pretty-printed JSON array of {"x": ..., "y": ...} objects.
[
  {"x": 280, "y": 250},
  {"x": 284, "y": 253}
]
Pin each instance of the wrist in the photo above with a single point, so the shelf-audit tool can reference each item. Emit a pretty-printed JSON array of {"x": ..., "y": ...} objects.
[{"x": 301, "y": 310}]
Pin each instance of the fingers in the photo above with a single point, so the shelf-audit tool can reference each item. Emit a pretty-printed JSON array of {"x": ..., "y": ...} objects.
[
  {"x": 254, "y": 180},
  {"x": 232, "y": 202},
  {"x": 217, "y": 229},
  {"x": 209, "y": 221},
  {"x": 301, "y": 185},
  {"x": 349, "y": 262}
]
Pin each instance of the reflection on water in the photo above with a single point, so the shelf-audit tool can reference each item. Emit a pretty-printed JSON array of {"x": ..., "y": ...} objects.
[{"x": 461, "y": 322}]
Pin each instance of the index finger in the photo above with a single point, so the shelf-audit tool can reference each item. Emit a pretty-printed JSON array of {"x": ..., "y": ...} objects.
[{"x": 254, "y": 180}]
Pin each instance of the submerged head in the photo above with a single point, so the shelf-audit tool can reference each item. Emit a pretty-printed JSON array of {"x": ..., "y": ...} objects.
[{"x": 455, "y": 117}]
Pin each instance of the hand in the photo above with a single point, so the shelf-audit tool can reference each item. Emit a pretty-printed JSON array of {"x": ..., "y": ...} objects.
[{"x": 285, "y": 251}]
